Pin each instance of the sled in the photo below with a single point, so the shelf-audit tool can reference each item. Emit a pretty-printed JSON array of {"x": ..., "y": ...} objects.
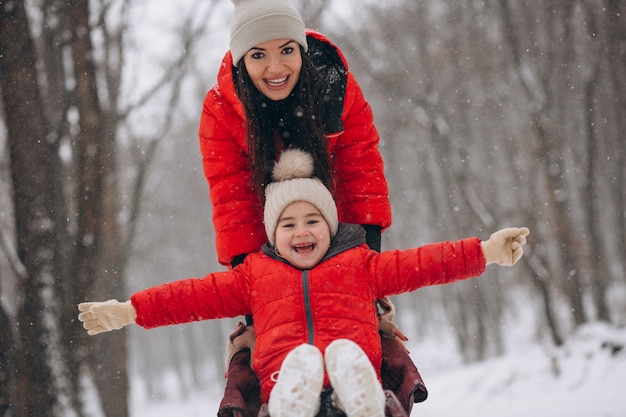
[{"x": 393, "y": 408}]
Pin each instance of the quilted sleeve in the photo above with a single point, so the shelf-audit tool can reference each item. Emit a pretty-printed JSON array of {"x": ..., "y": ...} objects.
[
  {"x": 362, "y": 192},
  {"x": 218, "y": 295},
  {"x": 237, "y": 210},
  {"x": 401, "y": 271}
]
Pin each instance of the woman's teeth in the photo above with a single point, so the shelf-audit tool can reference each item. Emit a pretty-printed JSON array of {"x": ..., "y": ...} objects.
[{"x": 276, "y": 83}]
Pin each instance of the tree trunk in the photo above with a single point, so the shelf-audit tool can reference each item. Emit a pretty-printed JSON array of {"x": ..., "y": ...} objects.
[
  {"x": 97, "y": 259},
  {"x": 616, "y": 62},
  {"x": 7, "y": 357},
  {"x": 33, "y": 192}
]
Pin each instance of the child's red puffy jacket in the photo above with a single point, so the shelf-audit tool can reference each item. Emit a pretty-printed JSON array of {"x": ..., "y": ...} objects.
[{"x": 333, "y": 300}]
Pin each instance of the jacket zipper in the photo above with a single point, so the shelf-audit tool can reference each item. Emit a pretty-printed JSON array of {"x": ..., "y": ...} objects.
[{"x": 307, "y": 307}]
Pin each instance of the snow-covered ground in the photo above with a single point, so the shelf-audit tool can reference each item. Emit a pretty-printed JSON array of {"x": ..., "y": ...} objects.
[{"x": 584, "y": 378}]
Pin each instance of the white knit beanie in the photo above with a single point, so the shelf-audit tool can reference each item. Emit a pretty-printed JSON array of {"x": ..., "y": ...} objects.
[
  {"x": 293, "y": 181},
  {"x": 257, "y": 21}
]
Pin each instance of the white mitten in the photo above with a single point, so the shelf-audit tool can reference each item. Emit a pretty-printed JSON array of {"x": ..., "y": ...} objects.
[
  {"x": 99, "y": 317},
  {"x": 504, "y": 247}
]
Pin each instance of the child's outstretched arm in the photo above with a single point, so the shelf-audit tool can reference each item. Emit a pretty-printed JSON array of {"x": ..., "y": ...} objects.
[
  {"x": 99, "y": 317},
  {"x": 504, "y": 247}
]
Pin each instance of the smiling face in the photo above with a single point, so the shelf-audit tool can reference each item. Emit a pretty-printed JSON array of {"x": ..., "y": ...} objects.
[
  {"x": 274, "y": 67},
  {"x": 302, "y": 235}
]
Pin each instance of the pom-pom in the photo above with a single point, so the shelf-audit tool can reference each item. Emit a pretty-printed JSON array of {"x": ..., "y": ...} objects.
[{"x": 293, "y": 163}]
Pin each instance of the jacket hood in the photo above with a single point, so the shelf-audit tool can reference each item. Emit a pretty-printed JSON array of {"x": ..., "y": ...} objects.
[{"x": 348, "y": 236}]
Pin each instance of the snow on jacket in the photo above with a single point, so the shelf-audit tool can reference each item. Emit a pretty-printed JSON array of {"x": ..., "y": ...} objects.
[
  {"x": 290, "y": 306},
  {"x": 237, "y": 211}
]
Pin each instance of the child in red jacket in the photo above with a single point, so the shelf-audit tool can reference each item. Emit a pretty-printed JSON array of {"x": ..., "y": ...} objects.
[{"x": 311, "y": 290}]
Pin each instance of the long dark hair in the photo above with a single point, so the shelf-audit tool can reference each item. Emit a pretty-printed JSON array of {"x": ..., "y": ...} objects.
[{"x": 296, "y": 121}]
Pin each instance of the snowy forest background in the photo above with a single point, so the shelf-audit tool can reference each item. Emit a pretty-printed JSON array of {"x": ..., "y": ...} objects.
[{"x": 491, "y": 113}]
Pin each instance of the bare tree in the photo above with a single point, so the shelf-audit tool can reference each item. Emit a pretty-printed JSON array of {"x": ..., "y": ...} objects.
[
  {"x": 34, "y": 217},
  {"x": 568, "y": 94},
  {"x": 61, "y": 92},
  {"x": 500, "y": 112}
]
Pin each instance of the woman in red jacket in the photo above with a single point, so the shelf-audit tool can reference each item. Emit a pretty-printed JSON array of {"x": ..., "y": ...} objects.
[
  {"x": 281, "y": 86},
  {"x": 311, "y": 290}
]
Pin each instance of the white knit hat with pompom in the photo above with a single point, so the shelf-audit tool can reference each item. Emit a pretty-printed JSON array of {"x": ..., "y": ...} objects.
[{"x": 293, "y": 181}]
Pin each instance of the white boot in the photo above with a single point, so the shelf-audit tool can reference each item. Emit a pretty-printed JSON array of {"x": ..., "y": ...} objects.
[
  {"x": 357, "y": 390},
  {"x": 299, "y": 385}
]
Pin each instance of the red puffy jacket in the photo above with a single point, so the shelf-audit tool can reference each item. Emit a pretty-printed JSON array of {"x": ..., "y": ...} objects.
[
  {"x": 333, "y": 300},
  {"x": 361, "y": 187}
]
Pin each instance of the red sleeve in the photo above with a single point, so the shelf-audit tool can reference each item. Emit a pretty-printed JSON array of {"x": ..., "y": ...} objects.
[
  {"x": 362, "y": 192},
  {"x": 218, "y": 295},
  {"x": 435, "y": 264},
  {"x": 237, "y": 210}
]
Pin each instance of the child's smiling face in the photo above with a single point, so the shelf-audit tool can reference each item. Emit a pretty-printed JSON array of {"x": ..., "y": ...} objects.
[{"x": 302, "y": 235}]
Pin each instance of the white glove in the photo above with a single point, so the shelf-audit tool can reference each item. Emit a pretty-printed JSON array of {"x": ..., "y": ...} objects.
[
  {"x": 504, "y": 247},
  {"x": 99, "y": 317}
]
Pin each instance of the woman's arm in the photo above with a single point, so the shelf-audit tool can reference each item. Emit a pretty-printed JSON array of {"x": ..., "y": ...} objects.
[
  {"x": 237, "y": 210},
  {"x": 362, "y": 191}
]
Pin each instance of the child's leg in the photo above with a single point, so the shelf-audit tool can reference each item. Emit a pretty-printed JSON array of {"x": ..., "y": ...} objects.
[
  {"x": 358, "y": 391},
  {"x": 299, "y": 385}
]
